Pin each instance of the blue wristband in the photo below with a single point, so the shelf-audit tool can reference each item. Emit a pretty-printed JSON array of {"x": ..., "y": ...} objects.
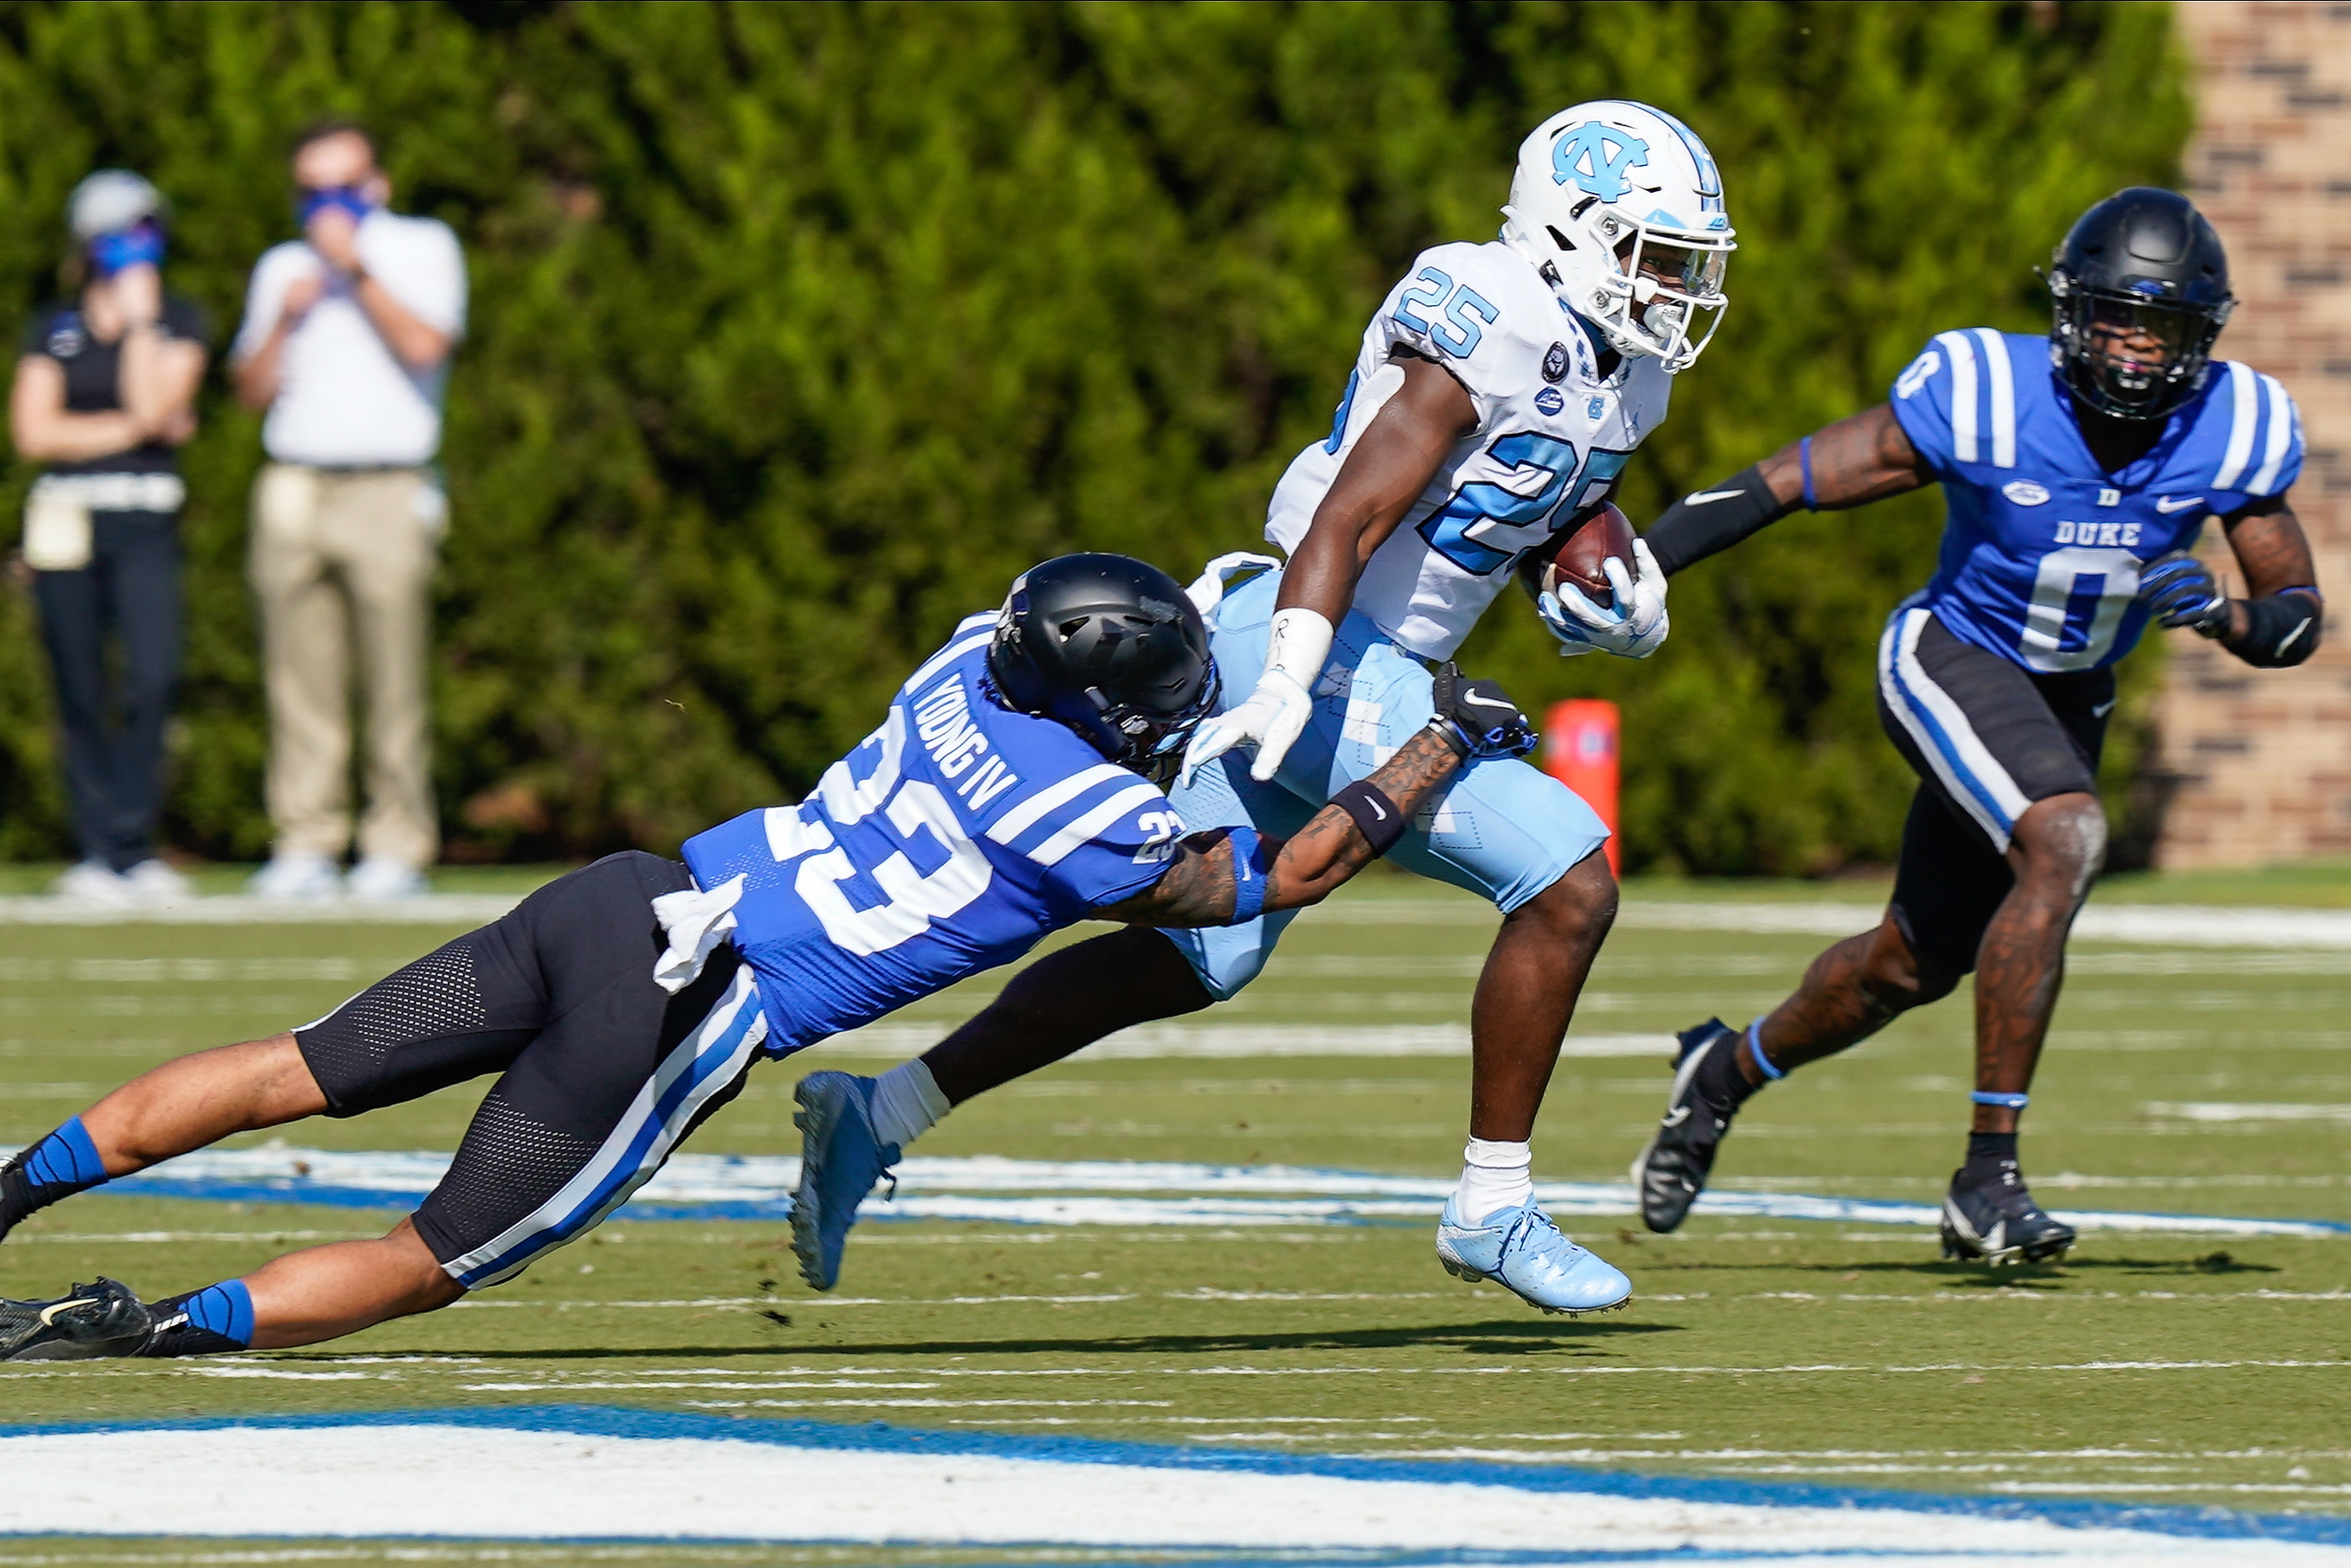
[
  {"x": 1248, "y": 874},
  {"x": 1755, "y": 1050},
  {"x": 2006, "y": 1102},
  {"x": 1804, "y": 456}
]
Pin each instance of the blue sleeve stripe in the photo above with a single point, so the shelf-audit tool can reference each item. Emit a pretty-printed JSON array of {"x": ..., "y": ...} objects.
[
  {"x": 1055, "y": 850},
  {"x": 1963, "y": 394},
  {"x": 2244, "y": 412},
  {"x": 2281, "y": 436},
  {"x": 946, "y": 656},
  {"x": 1019, "y": 819}
]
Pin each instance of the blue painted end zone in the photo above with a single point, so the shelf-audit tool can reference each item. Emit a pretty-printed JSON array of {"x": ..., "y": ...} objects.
[{"x": 608, "y": 1421}]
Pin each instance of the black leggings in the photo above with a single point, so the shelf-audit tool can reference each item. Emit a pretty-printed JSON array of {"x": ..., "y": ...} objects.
[
  {"x": 603, "y": 1073},
  {"x": 114, "y": 738}
]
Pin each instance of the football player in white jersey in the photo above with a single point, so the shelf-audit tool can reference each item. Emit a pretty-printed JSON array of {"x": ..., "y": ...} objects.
[{"x": 1497, "y": 393}]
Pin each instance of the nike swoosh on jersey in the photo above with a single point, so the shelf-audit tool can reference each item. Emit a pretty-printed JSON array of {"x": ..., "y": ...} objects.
[
  {"x": 1701, "y": 498},
  {"x": 2104, "y": 708},
  {"x": 2167, "y": 505}
]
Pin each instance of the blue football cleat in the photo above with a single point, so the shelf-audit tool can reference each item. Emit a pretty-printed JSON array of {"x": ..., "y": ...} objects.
[
  {"x": 841, "y": 1159},
  {"x": 1522, "y": 1251}
]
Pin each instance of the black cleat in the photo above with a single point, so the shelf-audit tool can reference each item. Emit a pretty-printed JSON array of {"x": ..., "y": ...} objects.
[
  {"x": 1993, "y": 1219},
  {"x": 1672, "y": 1171},
  {"x": 95, "y": 1321}
]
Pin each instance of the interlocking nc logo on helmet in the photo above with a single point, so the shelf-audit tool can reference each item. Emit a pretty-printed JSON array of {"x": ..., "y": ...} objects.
[{"x": 1596, "y": 157}]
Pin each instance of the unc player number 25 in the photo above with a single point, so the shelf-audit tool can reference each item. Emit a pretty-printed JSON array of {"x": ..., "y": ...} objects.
[{"x": 1485, "y": 526}]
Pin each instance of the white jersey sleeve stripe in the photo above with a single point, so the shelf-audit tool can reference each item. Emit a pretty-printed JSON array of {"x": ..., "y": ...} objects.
[
  {"x": 1963, "y": 394},
  {"x": 2281, "y": 438},
  {"x": 1024, "y": 816},
  {"x": 1054, "y": 851},
  {"x": 944, "y": 657},
  {"x": 2244, "y": 412},
  {"x": 2003, "y": 398}
]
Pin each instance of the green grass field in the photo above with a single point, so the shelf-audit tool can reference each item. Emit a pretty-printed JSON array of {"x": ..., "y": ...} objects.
[{"x": 2197, "y": 1369}]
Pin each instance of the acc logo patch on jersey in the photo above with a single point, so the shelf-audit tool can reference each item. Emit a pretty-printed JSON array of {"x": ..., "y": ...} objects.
[
  {"x": 2024, "y": 491},
  {"x": 66, "y": 338},
  {"x": 1555, "y": 366},
  {"x": 1549, "y": 401}
]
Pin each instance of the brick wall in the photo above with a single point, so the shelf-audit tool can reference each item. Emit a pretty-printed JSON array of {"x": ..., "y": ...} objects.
[{"x": 2256, "y": 764}]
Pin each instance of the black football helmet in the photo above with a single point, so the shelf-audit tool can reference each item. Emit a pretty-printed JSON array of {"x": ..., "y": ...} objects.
[
  {"x": 1113, "y": 648},
  {"x": 2141, "y": 289}
]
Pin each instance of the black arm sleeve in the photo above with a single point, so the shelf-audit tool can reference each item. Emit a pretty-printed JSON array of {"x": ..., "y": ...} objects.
[
  {"x": 2280, "y": 630},
  {"x": 1713, "y": 519}
]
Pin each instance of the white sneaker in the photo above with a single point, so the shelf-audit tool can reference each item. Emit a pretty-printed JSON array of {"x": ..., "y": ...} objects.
[
  {"x": 95, "y": 881},
  {"x": 156, "y": 882},
  {"x": 379, "y": 878},
  {"x": 296, "y": 875}
]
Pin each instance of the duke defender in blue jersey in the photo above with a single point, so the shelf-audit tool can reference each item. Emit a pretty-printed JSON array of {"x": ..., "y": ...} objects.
[
  {"x": 1009, "y": 791},
  {"x": 2078, "y": 471}
]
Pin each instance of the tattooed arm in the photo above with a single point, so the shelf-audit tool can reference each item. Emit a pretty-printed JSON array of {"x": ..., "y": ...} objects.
[{"x": 1199, "y": 889}]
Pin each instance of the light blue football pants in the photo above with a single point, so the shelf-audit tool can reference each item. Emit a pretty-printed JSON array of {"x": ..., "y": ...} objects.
[{"x": 1501, "y": 829}]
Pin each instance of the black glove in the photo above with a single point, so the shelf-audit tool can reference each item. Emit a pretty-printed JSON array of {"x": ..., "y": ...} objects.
[
  {"x": 2180, "y": 591},
  {"x": 1478, "y": 716}
]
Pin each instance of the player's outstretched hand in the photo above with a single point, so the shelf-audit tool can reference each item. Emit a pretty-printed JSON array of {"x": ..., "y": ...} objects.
[
  {"x": 1478, "y": 716},
  {"x": 1634, "y": 629},
  {"x": 1270, "y": 720},
  {"x": 2180, "y": 591}
]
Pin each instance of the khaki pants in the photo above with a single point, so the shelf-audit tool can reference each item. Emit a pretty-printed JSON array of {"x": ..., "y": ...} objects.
[{"x": 342, "y": 560}]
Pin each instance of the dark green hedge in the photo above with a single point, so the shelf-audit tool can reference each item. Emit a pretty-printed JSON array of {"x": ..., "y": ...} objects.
[{"x": 798, "y": 329}]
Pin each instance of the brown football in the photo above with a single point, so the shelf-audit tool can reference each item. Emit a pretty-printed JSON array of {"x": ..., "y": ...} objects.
[{"x": 1575, "y": 556}]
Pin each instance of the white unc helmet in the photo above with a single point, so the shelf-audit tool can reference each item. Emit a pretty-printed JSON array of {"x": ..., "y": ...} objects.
[{"x": 1620, "y": 207}]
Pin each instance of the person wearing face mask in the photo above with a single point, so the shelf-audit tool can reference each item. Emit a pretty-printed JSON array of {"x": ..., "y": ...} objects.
[
  {"x": 346, "y": 343},
  {"x": 104, "y": 396}
]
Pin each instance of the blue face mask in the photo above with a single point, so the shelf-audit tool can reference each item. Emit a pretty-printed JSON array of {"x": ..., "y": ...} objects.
[
  {"x": 349, "y": 199},
  {"x": 142, "y": 245}
]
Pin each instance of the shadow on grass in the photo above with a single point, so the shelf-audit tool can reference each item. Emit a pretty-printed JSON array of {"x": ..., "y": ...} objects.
[
  {"x": 1984, "y": 1274},
  {"x": 1502, "y": 1336}
]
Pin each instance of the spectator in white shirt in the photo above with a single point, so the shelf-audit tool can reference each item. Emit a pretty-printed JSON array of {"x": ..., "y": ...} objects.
[{"x": 346, "y": 342}]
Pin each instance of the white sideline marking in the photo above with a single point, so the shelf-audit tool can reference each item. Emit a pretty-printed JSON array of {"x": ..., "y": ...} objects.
[
  {"x": 2210, "y": 1112},
  {"x": 1131, "y": 1193},
  {"x": 2157, "y": 925},
  {"x": 1212, "y": 1041},
  {"x": 506, "y": 1484},
  {"x": 432, "y": 909}
]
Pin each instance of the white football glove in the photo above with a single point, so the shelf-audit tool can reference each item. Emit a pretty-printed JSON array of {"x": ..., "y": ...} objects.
[
  {"x": 1297, "y": 645},
  {"x": 1636, "y": 629}
]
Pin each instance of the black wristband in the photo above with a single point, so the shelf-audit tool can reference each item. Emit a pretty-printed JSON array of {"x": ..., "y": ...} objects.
[
  {"x": 1705, "y": 521},
  {"x": 2280, "y": 630},
  {"x": 1375, "y": 814}
]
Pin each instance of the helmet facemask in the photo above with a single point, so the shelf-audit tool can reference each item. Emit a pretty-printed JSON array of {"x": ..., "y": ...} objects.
[{"x": 2129, "y": 355}]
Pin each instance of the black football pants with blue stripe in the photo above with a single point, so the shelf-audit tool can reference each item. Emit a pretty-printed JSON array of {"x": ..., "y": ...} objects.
[{"x": 601, "y": 1072}]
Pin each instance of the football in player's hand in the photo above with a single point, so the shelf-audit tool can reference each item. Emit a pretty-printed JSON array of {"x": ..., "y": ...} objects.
[{"x": 1575, "y": 556}]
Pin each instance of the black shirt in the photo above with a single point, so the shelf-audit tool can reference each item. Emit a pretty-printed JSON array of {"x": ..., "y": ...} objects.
[{"x": 93, "y": 372}]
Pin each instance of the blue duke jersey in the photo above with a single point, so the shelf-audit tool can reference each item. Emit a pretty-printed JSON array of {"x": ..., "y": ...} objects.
[
  {"x": 1552, "y": 433},
  {"x": 950, "y": 840},
  {"x": 2041, "y": 548}
]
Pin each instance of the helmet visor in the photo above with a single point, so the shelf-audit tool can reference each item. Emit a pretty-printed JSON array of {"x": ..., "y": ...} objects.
[
  {"x": 1697, "y": 271},
  {"x": 2133, "y": 339}
]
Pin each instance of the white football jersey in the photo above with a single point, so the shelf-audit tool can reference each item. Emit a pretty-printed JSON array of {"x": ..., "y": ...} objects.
[{"x": 1551, "y": 435}]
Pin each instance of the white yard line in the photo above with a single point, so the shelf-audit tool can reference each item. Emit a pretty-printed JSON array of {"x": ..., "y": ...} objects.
[
  {"x": 1137, "y": 1194},
  {"x": 518, "y": 1483}
]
